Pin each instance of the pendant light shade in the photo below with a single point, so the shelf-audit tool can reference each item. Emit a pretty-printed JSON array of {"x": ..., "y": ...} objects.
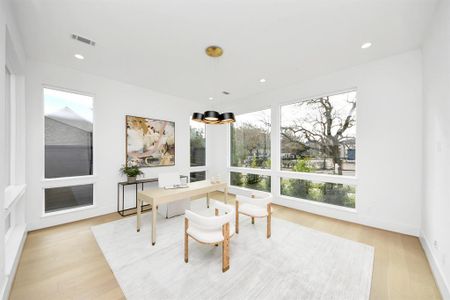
[
  {"x": 227, "y": 117},
  {"x": 197, "y": 117},
  {"x": 213, "y": 117}
]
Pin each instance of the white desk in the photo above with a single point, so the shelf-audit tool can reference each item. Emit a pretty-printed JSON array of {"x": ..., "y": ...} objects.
[{"x": 161, "y": 195}]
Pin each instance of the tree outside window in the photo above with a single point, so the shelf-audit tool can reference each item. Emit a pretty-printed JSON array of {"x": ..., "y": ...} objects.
[
  {"x": 319, "y": 135},
  {"x": 250, "y": 140}
]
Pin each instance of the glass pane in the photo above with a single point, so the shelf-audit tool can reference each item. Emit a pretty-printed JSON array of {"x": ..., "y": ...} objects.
[
  {"x": 197, "y": 176},
  {"x": 198, "y": 142},
  {"x": 250, "y": 140},
  {"x": 68, "y": 197},
  {"x": 319, "y": 135},
  {"x": 68, "y": 134},
  {"x": 251, "y": 181},
  {"x": 326, "y": 192}
]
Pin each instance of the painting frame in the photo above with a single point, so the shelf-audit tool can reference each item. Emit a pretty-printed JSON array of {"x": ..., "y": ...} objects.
[{"x": 149, "y": 121}]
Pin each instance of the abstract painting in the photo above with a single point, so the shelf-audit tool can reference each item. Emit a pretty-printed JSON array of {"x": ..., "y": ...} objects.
[{"x": 149, "y": 142}]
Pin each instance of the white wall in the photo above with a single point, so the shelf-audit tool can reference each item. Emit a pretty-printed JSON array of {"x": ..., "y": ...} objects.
[
  {"x": 13, "y": 57},
  {"x": 436, "y": 180},
  {"x": 112, "y": 101},
  {"x": 389, "y": 139}
]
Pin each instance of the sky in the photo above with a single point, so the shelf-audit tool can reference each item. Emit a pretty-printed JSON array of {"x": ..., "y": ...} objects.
[
  {"x": 293, "y": 112},
  {"x": 55, "y": 100}
]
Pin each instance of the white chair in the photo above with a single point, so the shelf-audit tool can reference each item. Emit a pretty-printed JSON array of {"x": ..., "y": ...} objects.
[
  {"x": 210, "y": 230},
  {"x": 256, "y": 205},
  {"x": 176, "y": 208}
]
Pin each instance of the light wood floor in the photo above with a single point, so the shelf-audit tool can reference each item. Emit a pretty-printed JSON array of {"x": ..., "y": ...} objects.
[{"x": 64, "y": 262}]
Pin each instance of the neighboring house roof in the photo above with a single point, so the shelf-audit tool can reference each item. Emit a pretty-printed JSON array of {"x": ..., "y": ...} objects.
[{"x": 71, "y": 118}]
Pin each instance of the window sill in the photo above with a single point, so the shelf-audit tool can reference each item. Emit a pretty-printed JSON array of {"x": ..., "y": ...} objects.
[
  {"x": 68, "y": 211},
  {"x": 12, "y": 194},
  {"x": 68, "y": 181},
  {"x": 320, "y": 204}
]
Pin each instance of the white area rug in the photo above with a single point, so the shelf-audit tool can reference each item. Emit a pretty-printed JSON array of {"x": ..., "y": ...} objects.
[{"x": 295, "y": 263}]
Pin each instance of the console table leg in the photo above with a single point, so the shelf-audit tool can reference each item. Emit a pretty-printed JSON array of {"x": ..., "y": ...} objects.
[
  {"x": 154, "y": 209},
  {"x": 138, "y": 219}
]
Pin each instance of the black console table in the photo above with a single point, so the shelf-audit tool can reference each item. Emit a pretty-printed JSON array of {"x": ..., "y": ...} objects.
[{"x": 132, "y": 210}]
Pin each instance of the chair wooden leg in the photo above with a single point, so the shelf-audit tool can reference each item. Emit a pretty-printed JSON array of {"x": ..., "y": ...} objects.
[
  {"x": 237, "y": 217},
  {"x": 253, "y": 220},
  {"x": 216, "y": 213},
  {"x": 269, "y": 220},
  {"x": 226, "y": 247},
  {"x": 186, "y": 242}
]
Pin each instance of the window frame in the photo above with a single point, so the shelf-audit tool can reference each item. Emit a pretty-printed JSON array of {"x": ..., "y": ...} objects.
[
  {"x": 198, "y": 168},
  {"x": 275, "y": 171},
  {"x": 72, "y": 180},
  {"x": 256, "y": 171}
]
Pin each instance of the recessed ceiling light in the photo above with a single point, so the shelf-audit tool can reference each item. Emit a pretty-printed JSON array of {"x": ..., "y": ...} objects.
[
  {"x": 366, "y": 45},
  {"x": 262, "y": 80},
  {"x": 211, "y": 98},
  {"x": 79, "y": 56}
]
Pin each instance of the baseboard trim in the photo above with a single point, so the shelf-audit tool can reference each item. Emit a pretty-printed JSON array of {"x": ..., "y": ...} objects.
[
  {"x": 10, "y": 278},
  {"x": 444, "y": 287}
]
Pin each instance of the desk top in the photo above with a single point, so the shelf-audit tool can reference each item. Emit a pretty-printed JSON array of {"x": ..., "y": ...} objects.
[{"x": 193, "y": 189}]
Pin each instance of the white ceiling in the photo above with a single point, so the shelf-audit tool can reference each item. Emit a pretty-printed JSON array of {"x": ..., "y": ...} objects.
[{"x": 159, "y": 44}]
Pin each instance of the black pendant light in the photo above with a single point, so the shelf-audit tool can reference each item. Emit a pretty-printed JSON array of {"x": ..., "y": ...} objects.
[{"x": 211, "y": 116}]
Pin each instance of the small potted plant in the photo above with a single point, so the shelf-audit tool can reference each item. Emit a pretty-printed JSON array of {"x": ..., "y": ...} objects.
[{"x": 132, "y": 171}]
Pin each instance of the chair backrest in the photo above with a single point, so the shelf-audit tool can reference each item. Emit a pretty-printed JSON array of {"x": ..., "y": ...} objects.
[
  {"x": 168, "y": 179},
  {"x": 208, "y": 223}
]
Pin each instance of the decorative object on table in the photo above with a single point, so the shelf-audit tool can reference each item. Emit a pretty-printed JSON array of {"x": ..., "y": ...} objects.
[
  {"x": 210, "y": 116},
  {"x": 150, "y": 142},
  {"x": 258, "y": 205},
  {"x": 132, "y": 171},
  {"x": 215, "y": 179}
]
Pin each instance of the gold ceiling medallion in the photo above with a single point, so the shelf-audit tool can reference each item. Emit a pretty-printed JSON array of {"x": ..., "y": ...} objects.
[{"x": 214, "y": 51}]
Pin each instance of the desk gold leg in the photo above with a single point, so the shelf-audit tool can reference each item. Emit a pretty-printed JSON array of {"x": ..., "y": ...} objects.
[
  {"x": 154, "y": 211},
  {"x": 207, "y": 200},
  {"x": 138, "y": 215}
]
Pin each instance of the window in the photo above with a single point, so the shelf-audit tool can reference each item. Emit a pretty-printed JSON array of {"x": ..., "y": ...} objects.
[
  {"x": 198, "y": 144},
  {"x": 326, "y": 192},
  {"x": 197, "y": 176},
  {"x": 319, "y": 135},
  {"x": 251, "y": 181},
  {"x": 250, "y": 140},
  {"x": 8, "y": 139},
  {"x": 68, "y": 134},
  {"x": 68, "y": 149},
  {"x": 61, "y": 198}
]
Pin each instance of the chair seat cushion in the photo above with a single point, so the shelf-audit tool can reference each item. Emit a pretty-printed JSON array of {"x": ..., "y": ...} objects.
[
  {"x": 253, "y": 210},
  {"x": 206, "y": 235}
]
